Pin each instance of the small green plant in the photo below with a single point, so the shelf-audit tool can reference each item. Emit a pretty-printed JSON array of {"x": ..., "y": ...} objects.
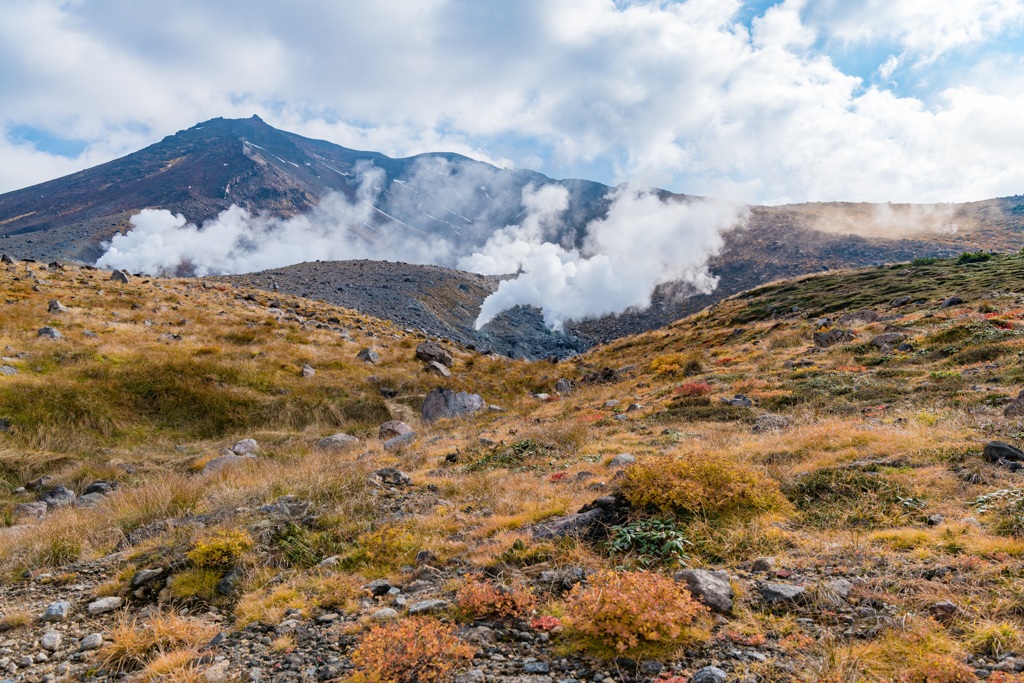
[
  {"x": 923, "y": 261},
  {"x": 511, "y": 457},
  {"x": 650, "y": 542},
  {"x": 973, "y": 257},
  {"x": 220, "y": 550}
]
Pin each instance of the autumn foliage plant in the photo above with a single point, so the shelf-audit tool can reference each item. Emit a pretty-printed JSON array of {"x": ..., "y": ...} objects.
[
  {"x": 418, "y": 650},
  {"x": 481, "y": 598}
]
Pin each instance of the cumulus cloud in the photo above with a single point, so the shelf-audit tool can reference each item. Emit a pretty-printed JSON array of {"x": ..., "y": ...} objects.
[{"x": 691, "y": 95}]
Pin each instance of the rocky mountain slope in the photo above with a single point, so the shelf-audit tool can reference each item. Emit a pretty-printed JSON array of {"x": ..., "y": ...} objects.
[{"x": 816, "y": 480}]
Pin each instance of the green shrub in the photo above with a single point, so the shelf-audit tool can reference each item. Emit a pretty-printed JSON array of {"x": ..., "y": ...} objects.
[{"x": 220, "y": 550}]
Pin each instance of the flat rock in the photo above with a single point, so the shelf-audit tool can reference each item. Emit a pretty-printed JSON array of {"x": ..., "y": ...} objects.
[
  {"x": 36, "y": 510},
  {"x": 223, "y": 462},
  {"x": 8, "y": 371},
  {"x": 393, "y": 477},
  {"x": 779, "y": 593},
  {"x": 58, "y": 496},
  {"x": 104, "y": 605},
  {"x": 393, "y": 428},
  {"x": 951, "y": 301},
  {"x": 50, "y": 333},
  {"x": 56, "y": 306},
  {"x": 51, "y": 640},
  {"x": 998, "y": 450},
  {"x": 435, "y": 368},
  {"x": 89, "y": 500},
  {"x": 93, "y": 641},
  {"x": 246, "y": 447},
  {"x": 144, "y": 576},
  {"x": 709, "y": 674},
  {"x": 385, "y": 614},
  {"x": 427, "y": 607},
  {"x": 336, "y": 442},
  {"x": 889, "y": 339},
  {"x": 832, "y": 337},
  {"x": 397, "y": 442},
  {"x": 622, "y": 460},
  {"x": 710, "y": 587},
  {"x": 57, "y": 611},
  {"x": 308, "y": 371},
  {"x": 430, "y": 351},
  {"x": 445, "y": 403},
  {"x": 368, "y": 355}
]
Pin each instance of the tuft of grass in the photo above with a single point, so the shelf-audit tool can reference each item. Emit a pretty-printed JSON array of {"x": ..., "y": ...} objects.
[{"x": 134, "y": 643}]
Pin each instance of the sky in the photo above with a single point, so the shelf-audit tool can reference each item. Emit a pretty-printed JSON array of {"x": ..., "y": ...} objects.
[{"x": 758, "y": 101}]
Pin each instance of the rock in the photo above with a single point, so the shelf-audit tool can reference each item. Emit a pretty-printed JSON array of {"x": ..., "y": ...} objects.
[
  {"x": 93, "y": 641},
  {"x": 227, "y": 585},
  {"x": 5, "y": 424},
  {"x": 427, "y": 607},
  {"x": 144, "y": 576},
  {"x": 308, "y": 371},
  {"x": 89, "y": 500},
  {"x": 709, "y": 674},
  {"x": 739, "y": 401},
  {"x": 379, "y": 587},
  {"x": 4, "y": 258},
  {"x": 710, "y": 587},
  {"x": 56, "y": 307},
  {"x": 935, "y": 520},
  {"x": 393, "y": 477},
  {"x": 218, "y": 673},
  {"x": 900, "y": 301},
  {"x": 832, "y": 337},
  {"x": 445, "y": 403},
  {"x": 39, "y": 484},
  {"x": 120, "y": 276},
  {"x": 435, "y": 368},
  {"x": 223, "y": 462},
  {"x": 997, "y": 450},
  {"x": 386, "y": 614},
  {"x": 563, "y": 387},
  {"x": 863, "y": 316},
  {"x": 951, "y": 301},
  {"x": 50, "y": 333},
  {"x": 430, "y": 351},
  {"x": 589, "y": 522},
  {"x": 101, "y": 487},
  {"x": 57, "y": 611},
  {"x": 611, "y": 403},
  {"x": 536, "y": 668},
  {"x": 336, "y": 442},
  {"x": 8, "y": 371},
  {"x": 1014, "y": 409},
  {"x": 104, "y": 605},
  {"x": 393, "y": 428},
  {"x": 397, "y": 442},
  {"x": 943, "y": 610},
  {"x": 889, "y": 339},
  {"x": 841, "y": 588},
  {"x": 368, "y": 355},
  {"x": 762, "y": 564},
  {"x": 51, "y": 640},
  {"x": 471, "y": 676},
  {"x": 622, "y": 460},
  {"x": 246, "y": 447},
  {"x": 329, "y": 562},
  {"x": 36, "y": 510},
  {"x": 287, "y": 626},
  {"x": 778, "y": 593},
  {"x": 57, "y": 496},
  {"x": 770, "y": 422}
]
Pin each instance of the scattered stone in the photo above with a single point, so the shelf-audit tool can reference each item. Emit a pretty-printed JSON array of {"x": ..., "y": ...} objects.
[
  {"x": 427, "y": 607},
  {"x": 8, "y": 371},
  {"x": 246, "y": 447},
  {"x": 120, "y": 276},
  {"x": 4, "y": 258},
  {"x": 951, "y": 301},
  {"x": 590, "y": 521},
  {"x": 101, "y": 487},
  {"x": 397, "y": 442},
  {"x": 308, "y": 371},
  {"x": 763, "y": 564},
  {"x": 336, "y": 442},
  {"x": 471, "y": 676},
  {"x": 218, "y": 673},
  {"x": 51, "y": 640},
  {"x": 368, "y": 355},
  {"x": 393, "y": 477},
  {"x": 50, "y": 333},
  {"x": 840, "y": 588},
  {"x": 386, "y": 614},
  {"x": 104, "y": 605},
  {"x": 89, "y": 500},
  {"x": 770, "y": 422},
  {"x": 379, "y": 587},
  {"x": 997, "y": 450},
  {"x": 287, "y": 626},
  {"x": 739, "y": 401},
  {"x": 57, "y": 611},
  {"x": 93, "y": 641},
  {"x": 890, "y": 339},
  {"x": 536, "y": 668},
  {"x": 777, "y": 593},
  {"x": 710, "y": 587},
  {"x": 863, "y": 316},
  {"x": 563, "y": 387},
  {"x": 222, "y": 462},
  {"x": 56, "y": 307},
  {"x": 144, "y": 576},
  {"x": 611, "y": 403},
  {"x": 57, "y": 496},
  {"x": 832, "y": 337},
  {"x": 900, "y": 301},
  {"x": 36, "y": 510},
  {"x": 622, "y": 460},
  {"x": 430, "y": 351},
  {"x": 393, "y": 428},
  {"x": 445, "y": 403},
  {"x": 435, "y": 368},
  {"x": 709, "y": 674},
  {"x": 936, "y": 520}
]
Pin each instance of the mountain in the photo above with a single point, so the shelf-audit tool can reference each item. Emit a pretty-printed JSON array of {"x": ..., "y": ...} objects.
[{"x": 201, "y": 171}]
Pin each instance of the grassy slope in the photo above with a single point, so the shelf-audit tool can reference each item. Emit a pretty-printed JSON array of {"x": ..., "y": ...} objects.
[{"x": 877, "y": 443}]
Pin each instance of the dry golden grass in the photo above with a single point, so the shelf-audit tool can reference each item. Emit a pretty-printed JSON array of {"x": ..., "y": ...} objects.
[{"x": 135, "y": 643}]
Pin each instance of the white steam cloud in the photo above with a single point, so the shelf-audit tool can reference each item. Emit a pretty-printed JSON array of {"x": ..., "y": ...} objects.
[{"x": 460, "y": 215}]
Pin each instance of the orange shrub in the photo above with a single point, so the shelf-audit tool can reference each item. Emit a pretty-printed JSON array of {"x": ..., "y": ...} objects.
[
  {"x": 480, "y": 598},
  {"x": 940, "y": 669},
  {"x": 419, "y": 650},
  {"x": 631, "y": 611},
  {"x": 693, "y": 389}
]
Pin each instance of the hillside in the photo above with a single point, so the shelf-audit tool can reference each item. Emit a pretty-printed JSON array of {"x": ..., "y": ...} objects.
[{"x": 818, "y": 440}]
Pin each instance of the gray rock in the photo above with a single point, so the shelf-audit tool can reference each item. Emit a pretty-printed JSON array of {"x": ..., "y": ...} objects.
[
  {"x": 51, "y": 640},
  {"x": 36, "y": 510},
  {"x": 4, "y": 258},
  {"x": 393, "y": 477},
  {"x": 590, "y": 519},
  {"x": 246, "y": 447},
  {"x": 862, "y": 316},
  {"x": 328, "y": 562},
  {"x": 101, "y": 487},
  {"x": 445, "y": 403},
  {"x": 287, "y": 626},
  {"x": 900, "y": 301},
  {"x": 336, "y": 442},
  {"x": 435, "y": 368},
  {"x": 763, "y": 564},
  {"x": 841, "y": 588},
  {"x": 622, "y": 460},
  {"x": 393, "y": 428},
  {"x": 8, "y": 371},
  {"x": 935, "y": 520},
  {"x": 563, "y": 387},
  {"x": 832, "y": 337},
  {"x": 379, "y": 587},
  {"x": 471, "y": 676},
  {"x": 427, "y": 607},
  {"x": 93, "y": 641},
  {"x": 997, "y": 450},
  {"x": 709, "y": 674},
  {"x": 144, "y": 576},
  {"x": 397, "y": 442},
  {"x": 368, "y": 355},
  {"x": 611, "y": 403},
  {"x": 430, "y": 351},
  {"x": 385, "y": 614},
  {"x": 89, "y": 500},
  {"x": 57, "y": 496},
  {"x": 57, "y": 611},
  {"x": 104, "y": 605},
  {"x": 50, "y": 333},
  {"x": 739, "y": 401},
  {"x": 770, "y": 422},
  {"x": 951, "y": 301},
  {"x": 889, "y": 339},
  {"x": 779, "y": 593},
  {"x": 56, "y": 307},
  {"x": 536, "y": 668},
  {"x": 223, "y": 462},
  {"x": 710, "y": 587},
  {"x": 120, "y": 276},
  {"x": 943, "y": 610},
  {"x": 308, "y": 371}
]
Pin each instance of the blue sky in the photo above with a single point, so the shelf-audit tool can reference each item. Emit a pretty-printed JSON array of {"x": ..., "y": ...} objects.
[{"x": 770, "y": 102}]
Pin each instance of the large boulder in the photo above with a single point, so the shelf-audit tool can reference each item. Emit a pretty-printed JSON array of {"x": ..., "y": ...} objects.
[
  {"x": 57, "y": 497},
  {"x": 710, "y": 587},
  {"x": 445, "y": 403},
  {"x": 832, "y": 337},
  {"x": 336, "y": 442},
  {"x": 997, "y": 450},
  {"x": 429, "y": 352}
]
